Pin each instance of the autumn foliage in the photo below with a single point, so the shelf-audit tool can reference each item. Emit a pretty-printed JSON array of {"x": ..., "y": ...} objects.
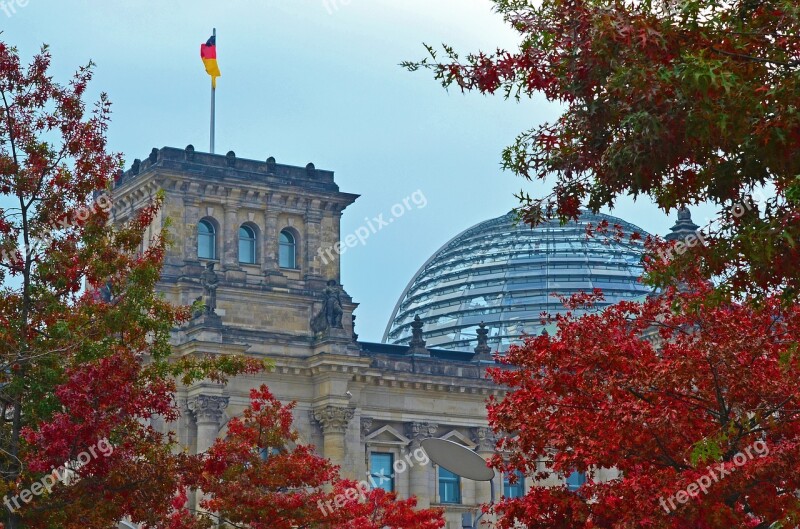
[
  {"x": 258, "y": 477},
  {"x": 679, "y": 101},
  {"x": 663, "y": 391},
  {"x": 85, "y": 355},
  {"x": 84, "y": 339}
]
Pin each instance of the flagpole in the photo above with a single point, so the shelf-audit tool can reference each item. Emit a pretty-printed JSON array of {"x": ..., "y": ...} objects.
[{"x": 213, "y": 104}]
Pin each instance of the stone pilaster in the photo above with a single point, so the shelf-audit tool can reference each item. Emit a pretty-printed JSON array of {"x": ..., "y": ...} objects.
[
  {"x": 418, "y": 474},
  {"x": 270, "y": 241},
  {"x": 486, "y": 440},
  {"x": 333, "y": 421},
  {"x": 191, "y": 218},
  {"x": 229, "y": 251},
  {"x": 313, "y": 218}
]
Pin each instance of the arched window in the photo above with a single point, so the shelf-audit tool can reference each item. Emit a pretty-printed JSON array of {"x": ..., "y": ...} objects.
[
  {"x": 287, "y": 250},
  {"x": 247, "y": 245},
  {"x": 206, "y": 240}
]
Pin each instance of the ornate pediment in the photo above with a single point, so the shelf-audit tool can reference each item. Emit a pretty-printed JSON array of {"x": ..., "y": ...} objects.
[
  {"x": 387, "y": 436},
  {"x": 458, "y": 437}
]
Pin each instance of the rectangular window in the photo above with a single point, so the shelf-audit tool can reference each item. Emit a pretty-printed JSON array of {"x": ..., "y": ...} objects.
[
  {"x": 380, "y": 471},
  {"x": 514, "y": 490},
  {"x": 449, "y": 486},
  {"x": 576, "y": 480}
]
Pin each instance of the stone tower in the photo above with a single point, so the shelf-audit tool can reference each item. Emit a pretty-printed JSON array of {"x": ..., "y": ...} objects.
[
  {"x": 256, "y": 242},
  {"x": 246, "y": 238}
]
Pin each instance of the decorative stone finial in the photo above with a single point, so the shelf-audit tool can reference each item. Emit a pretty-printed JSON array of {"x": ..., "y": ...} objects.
[
  {"x": 189, "y": 153},
  {"x": 231, "y": 159},
  {"x": 417, "y": 343},
  {"x": 137, "y": 164},
  {"x": 311, "y": 171},
  {"x": 483, "y": 351},
  {"x": 271, "y": 165},
  {"x": 684, "y": 227},
  {"x": 355, "y": 336},
  {"x": 153, "y": 155}
]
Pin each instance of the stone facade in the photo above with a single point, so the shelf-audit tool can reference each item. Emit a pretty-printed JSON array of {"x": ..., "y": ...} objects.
[{"x": 353, "y": 398}]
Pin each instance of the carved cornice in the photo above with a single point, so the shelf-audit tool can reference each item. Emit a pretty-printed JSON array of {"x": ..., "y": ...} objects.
[
  {"x": 332, "y": 419},
  {"x": 417, "y": 431},
  {"x": 207, "y": 408}
]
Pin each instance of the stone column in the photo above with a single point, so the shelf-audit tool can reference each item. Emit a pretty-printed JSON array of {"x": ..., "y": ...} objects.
[
  {"x": 419, "y": 474},
  {"x": 486, "y": 440},
  {"x": 207, "y": 411},
  {"x": 333, "y": 421}
]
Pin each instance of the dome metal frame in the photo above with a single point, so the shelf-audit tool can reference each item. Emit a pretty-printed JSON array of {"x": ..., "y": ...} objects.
[{"x": 505, "y": 275}]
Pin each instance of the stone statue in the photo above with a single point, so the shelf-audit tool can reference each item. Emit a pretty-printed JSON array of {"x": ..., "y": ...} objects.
[
  {"x": 331, "y": 314},
  {"x": 333, "y": 305},
  {"x": 209, "y": 280}
]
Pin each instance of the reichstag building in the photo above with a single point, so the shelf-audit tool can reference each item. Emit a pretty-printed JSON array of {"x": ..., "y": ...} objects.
[{"x": 248, "y": 235}]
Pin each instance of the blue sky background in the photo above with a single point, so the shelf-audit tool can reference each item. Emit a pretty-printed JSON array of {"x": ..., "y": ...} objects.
[{"x": 315, "y": 81}]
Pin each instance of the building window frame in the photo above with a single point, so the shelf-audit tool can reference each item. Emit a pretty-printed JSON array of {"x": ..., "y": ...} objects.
[
  {"x": 449, "y": 486},
  {"x": 287, "y": 249},
  {"x": 207, "y": 239},
  {"x": 247, "y": 244},
  {"x": 514, "y": 490},
  {"x": 575, "y": 480},
  {"x": 380, "y": 479}
]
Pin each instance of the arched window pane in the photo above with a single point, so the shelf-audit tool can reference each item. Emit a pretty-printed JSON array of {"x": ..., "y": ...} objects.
[
  {"x": 287, "y": 251},
  {"x": 247, "y": 245},
  {"x": 206, "y": 240}
]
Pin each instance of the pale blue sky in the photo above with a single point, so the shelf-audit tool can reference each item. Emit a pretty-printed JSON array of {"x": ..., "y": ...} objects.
[{"x": 314, "y": 81}]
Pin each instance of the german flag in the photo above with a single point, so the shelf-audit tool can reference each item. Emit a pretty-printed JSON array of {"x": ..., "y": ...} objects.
[{"x": 208, "y": 52}]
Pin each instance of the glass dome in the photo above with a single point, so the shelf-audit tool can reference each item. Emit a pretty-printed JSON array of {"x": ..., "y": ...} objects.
[{"x": 505, "y": 274}]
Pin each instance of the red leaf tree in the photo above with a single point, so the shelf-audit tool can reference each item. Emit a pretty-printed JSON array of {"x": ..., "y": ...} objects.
[
  {"x": 696, "y": 407},
  {"x": 258, "y": 478},
  {"x": 84, "y": 339}
]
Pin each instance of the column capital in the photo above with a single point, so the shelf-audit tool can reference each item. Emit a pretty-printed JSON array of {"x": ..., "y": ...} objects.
[
  {"x": 332, "y": 419},
  {"x": 417, "y": 431},
  {"x": 485, "y": 438},
  {"x": 366, "y": 426},
  {"x": 207, "y": 408}
]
